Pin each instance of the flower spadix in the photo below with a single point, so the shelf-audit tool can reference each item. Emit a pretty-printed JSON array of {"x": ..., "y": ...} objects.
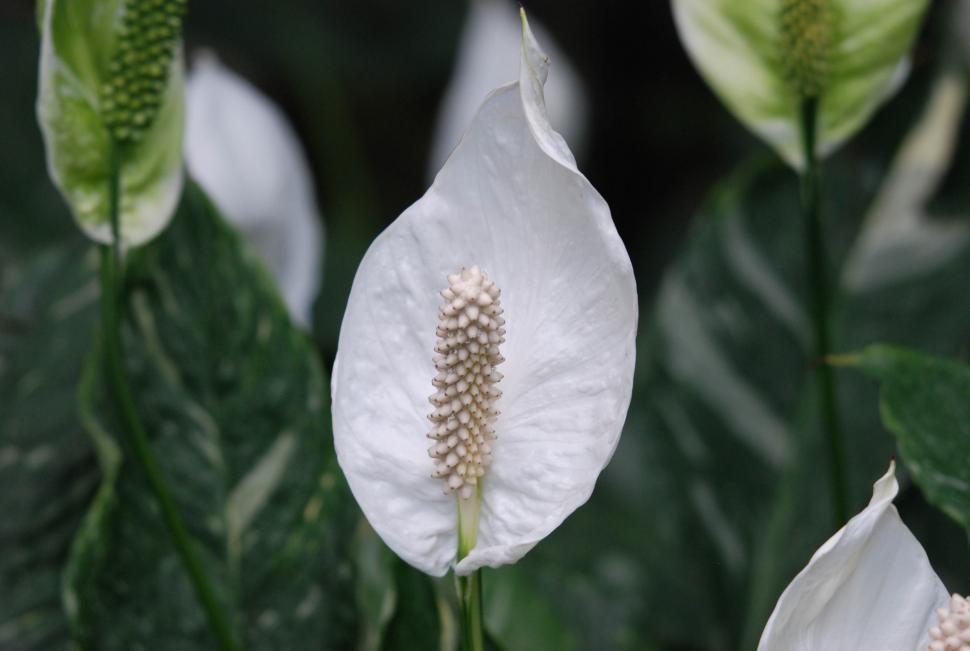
[
  {"x": 110, "y": 77},
  {"x": 242, "y": 150},
  {"x": 763, "y": 58},
  {"x": 469, "y": 333},
  {"x": 870, "y": 586},
  {"x": 510, "y": 261}
]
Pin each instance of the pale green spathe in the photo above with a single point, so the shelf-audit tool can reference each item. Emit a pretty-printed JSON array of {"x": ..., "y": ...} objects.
[
  {"x": 77, "y": 42},
  {"x": 738, "y": 46}
]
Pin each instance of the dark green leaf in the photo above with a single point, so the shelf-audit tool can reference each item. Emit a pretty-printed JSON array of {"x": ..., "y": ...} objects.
[
  {"x": 48, "y": 471},
  {"x": 517, "y": 616},
  {"x": 398, "y": 604},
  {"x": 415, "y": 624},
  {"x": 236, "y": 405},
  {"x": 925, "y": 403}
]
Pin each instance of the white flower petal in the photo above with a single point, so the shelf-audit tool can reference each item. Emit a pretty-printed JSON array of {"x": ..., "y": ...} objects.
[
  {"x": 735, "y": 45},
  {"x": 76, "y": 37},
  {"x": 511, "y": 200},
  {"x": 243, "y": 152},
  {"x": 488, "y": 57},
  {"x": 870, "y": 586}
]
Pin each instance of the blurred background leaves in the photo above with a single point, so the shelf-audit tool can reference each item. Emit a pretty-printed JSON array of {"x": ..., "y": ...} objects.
[{"x": 714, "y": 499}]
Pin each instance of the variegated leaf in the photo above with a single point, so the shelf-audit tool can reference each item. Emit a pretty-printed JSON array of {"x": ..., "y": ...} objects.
[{"x": 234, "y": 400}]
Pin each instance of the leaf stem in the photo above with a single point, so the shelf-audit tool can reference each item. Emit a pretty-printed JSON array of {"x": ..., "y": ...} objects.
[
  {"x": 470, "y": 587},
  {"x": 815, "y": 261},
  {"x": 132, "y": 426}
]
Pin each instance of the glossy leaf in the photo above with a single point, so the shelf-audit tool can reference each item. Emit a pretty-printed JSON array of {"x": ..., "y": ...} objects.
[
  {"x": 235, "y": 402},
  {"x": 925, "y": 403},
  {"x": 78, "y": 39}
]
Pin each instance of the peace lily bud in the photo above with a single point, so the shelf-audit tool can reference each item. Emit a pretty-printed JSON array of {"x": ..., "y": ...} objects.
[
  {"x": 764, "y": 58},
  {"x": 111, "y": 76},
  {"x": 243, "y": 152},
  {"x": 870, "y": 586},
  {"x": 512, "y": 453}
]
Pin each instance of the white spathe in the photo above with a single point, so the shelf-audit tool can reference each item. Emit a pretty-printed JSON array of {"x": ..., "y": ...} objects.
[
  {"x": 510, "y": 200},
  {"x": 738, "y": 48},
  {"x": 77, "y": 37},
  {"x": 240, "y": 148},
  {"x": 870, "y": 586},
  {"x": 488, "y": 57}
]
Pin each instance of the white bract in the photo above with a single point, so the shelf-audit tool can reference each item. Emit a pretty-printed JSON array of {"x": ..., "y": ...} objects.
[
  {"x": 242, "y": 151},
  {"x": 509, "y": 211},
  {"x": 870, "y": 586},
  {"x": 764, "y": 57},
  {"x": 94, "y": 96},
  {"x": 488, "y": 53}
]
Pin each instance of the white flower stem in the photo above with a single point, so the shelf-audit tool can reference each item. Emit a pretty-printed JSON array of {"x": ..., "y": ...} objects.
[{"x": 470, "y": 587}]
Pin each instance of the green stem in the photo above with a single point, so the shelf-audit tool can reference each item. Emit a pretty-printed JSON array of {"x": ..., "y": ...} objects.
[
  {"x": 470, "y": 587},
  {"x": 470, "y": 596},
  {"x": 133, "y": 429},
  {"x": 821, "y": 303}
]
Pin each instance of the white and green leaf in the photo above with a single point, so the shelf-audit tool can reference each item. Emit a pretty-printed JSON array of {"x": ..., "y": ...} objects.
[
  {"x": 742, "y": 49},
  {"x": 234, "y": 401},
  {"x": 78, "y": 41}
]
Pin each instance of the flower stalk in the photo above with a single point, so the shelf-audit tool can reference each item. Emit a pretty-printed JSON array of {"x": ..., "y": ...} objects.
[
  {"x": 470, "y": 587},
  {"x": 815, "y": 268},
  {"x": 470, "y": 597},
  {"x": 132, "y": 426}
]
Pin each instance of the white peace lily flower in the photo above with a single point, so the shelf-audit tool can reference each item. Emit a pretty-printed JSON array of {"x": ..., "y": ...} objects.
[
  {"x": 870, "y": 586},
  {"x": 243, "y": 152},
  {"x": 488, "y": 54},
  {"x": 763, "y": 57},
  {"x": 508, "y": 210}
]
